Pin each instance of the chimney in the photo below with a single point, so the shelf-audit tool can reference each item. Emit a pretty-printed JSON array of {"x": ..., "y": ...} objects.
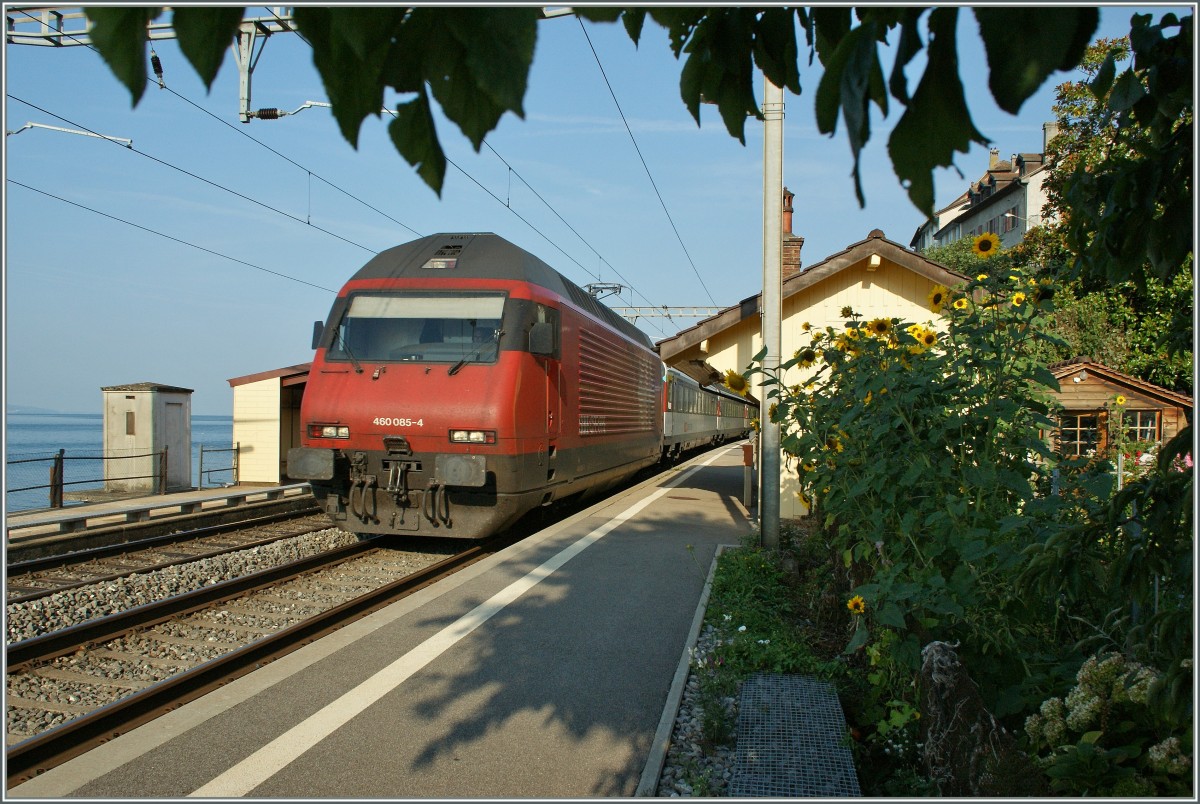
[
  {"x": 993, "y": 158},
  {"x": 1049, "y": 132},
  {"x": 791, "y": 243}
]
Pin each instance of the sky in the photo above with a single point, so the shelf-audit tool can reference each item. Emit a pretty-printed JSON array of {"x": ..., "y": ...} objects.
[{"x": 206, "y": 251}]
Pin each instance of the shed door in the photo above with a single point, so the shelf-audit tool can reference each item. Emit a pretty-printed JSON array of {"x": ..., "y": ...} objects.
[{"x": 179, "y": 460}]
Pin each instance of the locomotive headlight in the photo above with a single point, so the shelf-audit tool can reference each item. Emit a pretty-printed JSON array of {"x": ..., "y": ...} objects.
[
  {"x": 473, "y": 436},
  {"x": 328, "y": 431}
]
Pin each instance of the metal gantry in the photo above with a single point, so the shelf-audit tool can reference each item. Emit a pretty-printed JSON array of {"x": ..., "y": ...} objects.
[{"x": 70, "y": 27}]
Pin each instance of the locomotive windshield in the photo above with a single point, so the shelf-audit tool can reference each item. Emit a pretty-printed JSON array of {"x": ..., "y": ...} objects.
[{"x": 420, "y": 326}]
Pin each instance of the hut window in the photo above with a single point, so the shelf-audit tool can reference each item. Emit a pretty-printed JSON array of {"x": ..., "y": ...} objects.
[
  {"x": 1078, "y": 433},
  {"x": 130, "y": 429},
  {"x": 1141, "y": 425}
]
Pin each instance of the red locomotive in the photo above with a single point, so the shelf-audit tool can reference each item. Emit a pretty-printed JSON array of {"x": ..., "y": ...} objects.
[{"x": 461, "y": 382}]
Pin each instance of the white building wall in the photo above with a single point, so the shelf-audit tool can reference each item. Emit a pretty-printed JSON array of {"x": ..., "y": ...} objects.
[{"x": 256, "y": 430}]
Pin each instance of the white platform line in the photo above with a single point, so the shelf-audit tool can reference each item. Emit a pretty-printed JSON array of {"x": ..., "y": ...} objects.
[{"x": 264, "y": 763}]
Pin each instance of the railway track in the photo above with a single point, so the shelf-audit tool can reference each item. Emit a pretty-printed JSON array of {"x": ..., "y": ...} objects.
[
  {"x": 70, "y": 689},
  {"x": 41, "y": 577}
]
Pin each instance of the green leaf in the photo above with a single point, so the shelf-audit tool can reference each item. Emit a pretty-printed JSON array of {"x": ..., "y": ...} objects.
[
  {"x": 205, "y": 35},
  {"x": 350, "y": 51},
  {"x": 890, "y": 614},
  {"x": 487, "y": 73},
  {"x": 119, "y": 34},
  {"x": 415, "y": 136},
  {"x": 1127, "y": 91},
  {"x": 775, "y": 50},
  {"x": 1046, "y": 39},
  {"x": 936, "y": 122},
  {"x": 861, "y": 635},
  {"x": 719, "y": 69}
]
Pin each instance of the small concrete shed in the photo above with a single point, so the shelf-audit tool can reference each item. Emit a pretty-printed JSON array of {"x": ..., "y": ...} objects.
[
  {"x": 266, "y": 422},
  {"x": 140, "y": 421}
]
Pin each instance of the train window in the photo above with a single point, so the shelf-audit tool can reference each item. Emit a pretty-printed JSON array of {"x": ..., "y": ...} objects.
[{"x": 420, "y": 326}]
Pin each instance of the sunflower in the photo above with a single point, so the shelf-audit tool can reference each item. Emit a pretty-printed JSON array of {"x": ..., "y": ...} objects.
[
  {"x": 879, "y": 326},
  {"x": 1043, "y": 292},
  {"x": 938, "y": 297},
  {"x": 981, "y": 278},
  {"x": 961, "y": 303},
  {"x": 856, "y": 605},
  {"x": 1018, "y": 299},
  {"x": 806, "y": 326},
  {"x": 986, "y": 245},
  {"x": 803, "y": 499},
  {"x": 928, "y": 338},
  {"x": 847, "y": 312},
  {"x": 806, "y": 357},
  {"x": 736, "y": 382},
  {"x": 834, "y": 443},
  {"x": 1120, "y": 399},
  {"x": 809, "y": 466}
]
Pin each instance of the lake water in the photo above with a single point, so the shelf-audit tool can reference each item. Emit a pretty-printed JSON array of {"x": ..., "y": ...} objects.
[{"x": 31, "y": 439}]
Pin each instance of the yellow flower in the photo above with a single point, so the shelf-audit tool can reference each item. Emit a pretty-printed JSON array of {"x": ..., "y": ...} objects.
[
  {"x": 961, "y": 303},
  {"x": 806, "y": 326},
  {"x": 806, "y": 357},
  {"x": 981, "y": 277},
  {"x": 834, "y": 443},
  {"x": 736, "y": 382},
  {"x": 928, "y": 338},
  {"x": 771, "y": 411},
  {"x": 867, "y": 398},
  {"x": 986, "y": 245},
  {"x": 856, "y": 605},
  {"x": 1018, "y": 299},
  {"x": 809, "y": 466},
  {"x": 802, "y": 498},
  {"x": 938, "y": 297},
  {"x": 879, "y": 326},
  {"x": 847, "y": 312},
  {"x": 1120, "y": 399}
]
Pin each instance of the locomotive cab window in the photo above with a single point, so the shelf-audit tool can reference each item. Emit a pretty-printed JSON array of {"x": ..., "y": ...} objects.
[{"x": 420, "y": 327}]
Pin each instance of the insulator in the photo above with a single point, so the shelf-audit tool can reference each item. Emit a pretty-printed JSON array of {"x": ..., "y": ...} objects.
[
  {"x": 268, "y": 114},
  {"x": 156, "y": 63}
]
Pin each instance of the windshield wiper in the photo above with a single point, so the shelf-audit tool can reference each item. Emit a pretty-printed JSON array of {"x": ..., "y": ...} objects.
[
  {"x": 474, "y": 353},
  {"x": 346, "y": 348}
]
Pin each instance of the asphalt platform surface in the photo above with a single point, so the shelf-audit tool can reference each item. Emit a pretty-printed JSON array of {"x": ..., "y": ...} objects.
[{"x": 540, "y": 672}]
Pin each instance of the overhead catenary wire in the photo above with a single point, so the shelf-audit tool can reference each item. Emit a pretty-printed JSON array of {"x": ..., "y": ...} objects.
[
  {"x": 210, "y": 182},
  {"x": 653, "y": 184},
  {"x": 162, "y": 85},
  {"x": 169, "y": 237},
  {"x": 550, "y": 206},
  {"x": 156, "y": 63}
]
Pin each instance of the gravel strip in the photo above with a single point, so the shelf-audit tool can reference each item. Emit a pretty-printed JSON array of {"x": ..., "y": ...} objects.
[
  {"x": 693, "y": 766},
  {"x": 74, "y": 606}
]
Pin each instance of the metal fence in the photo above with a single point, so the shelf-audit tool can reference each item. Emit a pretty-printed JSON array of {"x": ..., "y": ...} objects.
[
  {"x": 231, "y": 470},
  {"x": 54, "y": 480}
]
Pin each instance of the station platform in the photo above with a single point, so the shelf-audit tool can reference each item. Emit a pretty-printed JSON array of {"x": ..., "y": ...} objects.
[{"x": 549, "y": 670}]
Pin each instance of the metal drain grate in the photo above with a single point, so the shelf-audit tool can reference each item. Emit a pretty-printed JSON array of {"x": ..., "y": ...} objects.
[{"x": 791, "y": 740}]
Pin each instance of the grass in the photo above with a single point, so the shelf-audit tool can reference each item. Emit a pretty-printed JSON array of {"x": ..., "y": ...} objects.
[{"x": 784, "y": 611}]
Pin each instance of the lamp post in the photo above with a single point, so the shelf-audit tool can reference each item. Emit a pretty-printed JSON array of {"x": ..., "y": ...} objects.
[{"x": 772, "y": 306}]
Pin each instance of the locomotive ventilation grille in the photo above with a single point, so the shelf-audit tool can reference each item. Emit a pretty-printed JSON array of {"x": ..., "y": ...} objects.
[{"x": 617, "y": 387}]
